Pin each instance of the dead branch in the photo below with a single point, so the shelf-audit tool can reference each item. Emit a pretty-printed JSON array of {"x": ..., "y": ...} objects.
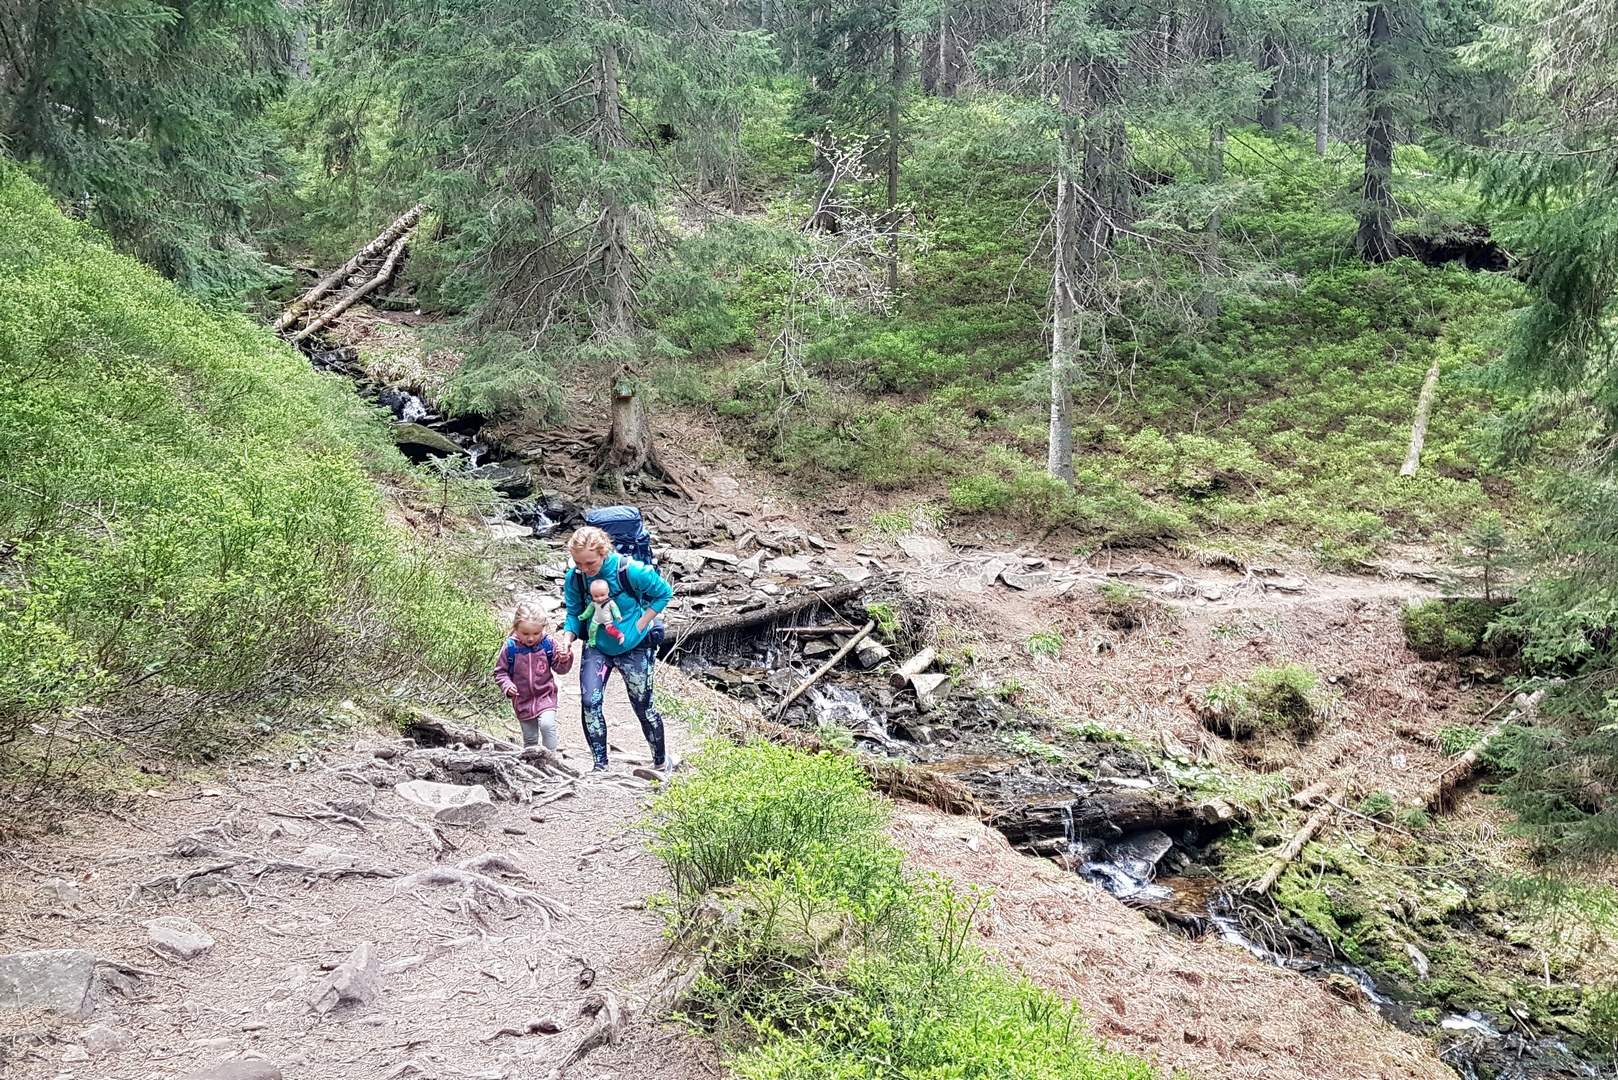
[
  {"x": 1295, "y": 846},
  {"x": 606, "y": 1030},
  {"x": 848, "y": 647}
]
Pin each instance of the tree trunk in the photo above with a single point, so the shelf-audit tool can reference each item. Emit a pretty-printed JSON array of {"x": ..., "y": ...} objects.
[
  {"x": 825, "y": 217},
  {"x": 895, "y": 92},
  {"x": 1208, "y": 303},
  {"x": 616, "y": 261},
  {"x": 629, "y": 443},
  {"x": 764, "y": 14},
  {"x": 1323, "y": 108},
  {"x": 1064, "y": 271},
  {"x": 1374, "y": 240},
  {"x": 1269, "y": 105}
]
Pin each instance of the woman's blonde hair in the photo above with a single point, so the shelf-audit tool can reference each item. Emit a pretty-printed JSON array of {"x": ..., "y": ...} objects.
[
  {"x": 590, "y": 538},
  {"x": 528, "y": 611}
]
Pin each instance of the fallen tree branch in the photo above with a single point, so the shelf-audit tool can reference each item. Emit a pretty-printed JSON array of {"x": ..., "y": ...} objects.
[
  {"x": 848, "y": 647},
  {"x": 912, "y": 667},
  {"x": 1295, "y": 846},
  {"x": 606, "y": 1030},
  {"x": 384, "y": 240}
]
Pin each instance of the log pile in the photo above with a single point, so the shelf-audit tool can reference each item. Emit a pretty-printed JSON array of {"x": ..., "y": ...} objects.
[{"x": 371, "y": 268}]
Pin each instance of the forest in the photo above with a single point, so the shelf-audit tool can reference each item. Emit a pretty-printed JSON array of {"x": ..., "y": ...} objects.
[{"x": 1179, "y": 427}]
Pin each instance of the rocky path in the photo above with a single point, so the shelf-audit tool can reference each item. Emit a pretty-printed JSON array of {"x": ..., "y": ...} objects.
[{"x": 265, "y": 924}]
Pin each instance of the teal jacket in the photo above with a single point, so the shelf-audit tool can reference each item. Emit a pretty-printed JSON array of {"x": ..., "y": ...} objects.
[{"x": 647, "y": 589}]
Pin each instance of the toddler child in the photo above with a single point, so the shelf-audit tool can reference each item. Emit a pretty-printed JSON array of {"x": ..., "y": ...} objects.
[
  {"x": 601, "y": 612},
  {"x": 524, "y": 672}
]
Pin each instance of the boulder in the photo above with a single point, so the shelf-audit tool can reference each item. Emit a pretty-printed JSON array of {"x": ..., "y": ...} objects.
[
  {"x": 419, "y": 441},
  {"x": 506, "y": 530},
  {"x": 450, "y": 804},
  {"x": 512, "y": 481},
  {"x": 924, "y": 549},
  {"x": 54, "y": 979},
  {"x": 1030, "y": 579},
  {"x": 241, "y": 1069},
  {"x": 855, "y": 574},
  {"x": 790, "y": 566},
  {"x": 991, "y": 571}
]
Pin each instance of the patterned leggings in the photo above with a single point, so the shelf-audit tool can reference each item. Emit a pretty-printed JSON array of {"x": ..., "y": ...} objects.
[{"x": 636, "y": 667}]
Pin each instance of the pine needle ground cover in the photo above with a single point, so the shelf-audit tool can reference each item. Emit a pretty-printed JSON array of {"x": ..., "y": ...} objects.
[{"x": 190, "y": 534}]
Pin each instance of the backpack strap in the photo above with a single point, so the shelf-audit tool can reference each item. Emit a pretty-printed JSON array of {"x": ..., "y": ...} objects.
[{"x": 511, "y": 657}]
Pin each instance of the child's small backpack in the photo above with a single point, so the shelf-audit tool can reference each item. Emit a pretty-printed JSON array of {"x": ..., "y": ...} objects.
[
  {"x": 511, "y": 654},
  {"x": 626, "y": 529}
]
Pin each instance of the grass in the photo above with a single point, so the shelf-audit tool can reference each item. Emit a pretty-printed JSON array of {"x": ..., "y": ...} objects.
[
  {"x": 1282, "y": 698},
  {"x": 825, "y": 957}
]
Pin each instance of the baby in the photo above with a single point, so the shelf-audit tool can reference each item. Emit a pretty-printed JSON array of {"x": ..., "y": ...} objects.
[{"x": 601, "y": 612}]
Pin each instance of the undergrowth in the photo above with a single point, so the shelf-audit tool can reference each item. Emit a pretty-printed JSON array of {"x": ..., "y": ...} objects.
[
  {"x": 190, "y": 539},
  {"x": 825, "y": 957}
]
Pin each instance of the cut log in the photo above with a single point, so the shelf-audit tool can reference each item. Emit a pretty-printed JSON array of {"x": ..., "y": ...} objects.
[
  {"x": 1418, "y": 430},
  {"x": 683, "y": 631},
  {"x": 383, "y": 276},
  {"x": 847, "y": 648},
  {"x": 385, "y": 240},
  {"x": 1442, "y": 796},
  {"x": 1295, "y": 846},
  {"x": 913, "y": 666}
]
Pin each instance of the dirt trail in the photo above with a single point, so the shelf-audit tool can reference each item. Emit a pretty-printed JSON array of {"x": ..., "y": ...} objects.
[{"x": 457, "y": 968}]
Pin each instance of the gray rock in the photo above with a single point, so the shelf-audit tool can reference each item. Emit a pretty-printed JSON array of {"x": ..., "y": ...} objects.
[
  {"x": 856, "y": 574},
  {"x": 64, "y": 891},
  {"x": 1031, "y": 579},
  {"x": 716, "y": 556},
  {"x": 991, "y": 571},
  {"x": 55, "y": 979},
  {"x": 871, "y": 653},
  {"x": 1139, "y": 852},
  {"x": 924, "y": 549},
  {"x": 791, "y": 566},
  {"x": 73, "y": 1053},
  {"x": 180, "y": 938},
  {"x": 241, "y": 1069},
  {"x": 100, "y": 1039},
  {"x": 451, "y": 804},
  {"x": 355, "y": 981},
  {"x": 749, "y": 567},
  {"x": 506, "y": 530},
  {"x": 424, "y": 439}
]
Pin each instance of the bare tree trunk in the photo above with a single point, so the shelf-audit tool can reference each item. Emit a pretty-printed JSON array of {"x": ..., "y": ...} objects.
[
  {"x": 1070, "y": 150},
  {"x": 1208, "y": 302},
  {"x": 825, "y": 217},
  {"x": 1374, "y": 240},
  {"x": 764, "y": 14},
  {"x": 895, "y": 92},
  {"x": 1323, "y": 108},
  {"x": 1269, "y": 106},
  {"x": 616, "y": 259}
]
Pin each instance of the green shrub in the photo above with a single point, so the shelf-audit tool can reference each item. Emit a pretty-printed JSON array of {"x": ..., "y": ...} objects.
[
  {"x": 1271, "y": 699},
  {"x": 1046, "y": 643},
  {"x": 744, "y": 803},
  {"x": 1446, "y": 629},
  {"x": 189, "y": 524},
  {"x": 825, "y": 958}
]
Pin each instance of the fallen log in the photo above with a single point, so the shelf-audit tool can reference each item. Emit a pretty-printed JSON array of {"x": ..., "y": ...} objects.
[
  {"x": 1310, "y": 795},
  {"x": 383, "y": 276},
  {"x": 1295, "y": 846},
  {"x": 1418, "y": 430},
  {"x": 681, "y": 632},
  {"x": 1442, "y": 796},
  {"x": 385, "y": 240},
  {"x": 912, "y": 667},
  {"x": 847, "y": 648},
  {"x": 816, "y": 631}
]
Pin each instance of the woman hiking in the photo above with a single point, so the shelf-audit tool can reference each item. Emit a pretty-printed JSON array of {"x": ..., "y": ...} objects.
[{"x": 640, "y": 594}]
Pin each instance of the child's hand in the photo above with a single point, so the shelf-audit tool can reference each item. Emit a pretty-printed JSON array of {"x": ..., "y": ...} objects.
[{"x": 511, "y": 692}]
